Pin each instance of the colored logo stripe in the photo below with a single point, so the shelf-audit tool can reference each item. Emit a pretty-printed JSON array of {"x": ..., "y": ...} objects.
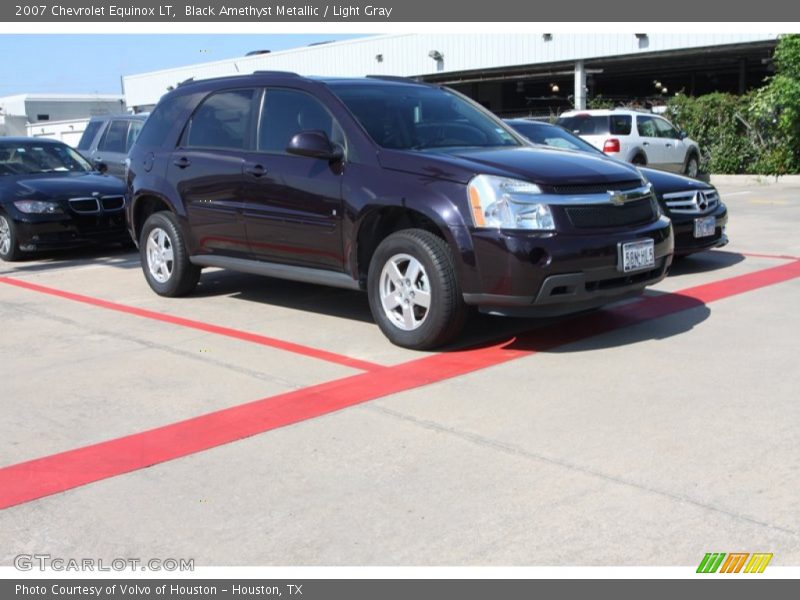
[
  {"x": 711, "y": 562},
  {"x": 734, "y": 562},
  {"x": 758, "y": 562}
]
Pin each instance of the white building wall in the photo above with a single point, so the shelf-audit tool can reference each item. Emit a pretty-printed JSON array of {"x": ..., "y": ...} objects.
[
  {"x": 407, "y": 55},
  {"x": 60, "y": 107},
  {"x": 11, "y": 125},
  {"x": 69, "y": 132}
]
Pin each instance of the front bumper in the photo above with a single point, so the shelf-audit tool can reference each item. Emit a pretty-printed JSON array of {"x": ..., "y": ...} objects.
[
  {"x": 527, "y": 274},
  {"x": 683, "y": 225},
  {"x": 42, "y": 232}
]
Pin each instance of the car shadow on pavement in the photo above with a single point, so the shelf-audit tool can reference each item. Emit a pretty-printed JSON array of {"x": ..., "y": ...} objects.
[
  {"x": 481, "y": 330},
  {"x": 120, "y": 257},
  {"x": 347, "y": 304},
  {"x": 704, "y": 262},
  {"x": 610, "y": 327}
]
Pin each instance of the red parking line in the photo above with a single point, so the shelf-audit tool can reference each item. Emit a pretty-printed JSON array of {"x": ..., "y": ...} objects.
[
  {"x": 255, "y": 338},
  {"x": 758, "y": 255},
  {"x": 41, "y": 477}
]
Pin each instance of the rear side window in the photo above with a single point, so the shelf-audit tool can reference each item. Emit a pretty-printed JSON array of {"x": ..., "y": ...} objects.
[
  {"x": 620, "y": 124},
  {"x": 114, "y": 137},
  {"x": 89, "y": 134},
  {"x": 586, "y": 124},
  {"x": 162, "y": 120},
  {"x": 222, "y": 121},
  {"x": 646, "y": 126},
  {"x": 287, "y": 112}
]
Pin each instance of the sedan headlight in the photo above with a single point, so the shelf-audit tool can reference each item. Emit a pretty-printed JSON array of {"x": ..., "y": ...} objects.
[
  {"x": 502, "y": 203},
  {"x": 38, "y": 207}
]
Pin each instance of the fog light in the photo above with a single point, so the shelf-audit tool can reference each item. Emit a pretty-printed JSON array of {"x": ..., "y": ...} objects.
[{"x": 540, "y": 257}]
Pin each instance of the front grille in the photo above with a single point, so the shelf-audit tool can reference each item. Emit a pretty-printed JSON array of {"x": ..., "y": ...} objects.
[
  {"x": 94, "y": 205},
  {"x": 634, "y": 212},
  {"x": 112, "y": 202},
  {"x": 596, "y": 188},
  {"x": 84, "y": 205},
  {"x": 691, "y": 202}
]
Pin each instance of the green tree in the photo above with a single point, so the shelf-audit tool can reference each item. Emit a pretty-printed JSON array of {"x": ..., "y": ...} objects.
[
  {"x": 716, "y": 123},
  {"x": 758, "y": 132},
  {"x": 775, "y": 112}
]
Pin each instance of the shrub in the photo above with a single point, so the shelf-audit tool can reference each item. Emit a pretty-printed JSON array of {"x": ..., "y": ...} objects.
[{"x": 755, "y": 133}]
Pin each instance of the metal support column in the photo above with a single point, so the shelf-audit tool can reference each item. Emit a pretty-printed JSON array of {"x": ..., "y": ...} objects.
[{"x": 580, "y": 85}]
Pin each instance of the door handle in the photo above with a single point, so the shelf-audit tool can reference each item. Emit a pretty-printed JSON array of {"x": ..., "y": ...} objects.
[
  {"x": 255, "y": 170},
  {"x": 182, "y": 162},
  {"x": 645, "y": 143},
  {"x": 668, "y": 145}
]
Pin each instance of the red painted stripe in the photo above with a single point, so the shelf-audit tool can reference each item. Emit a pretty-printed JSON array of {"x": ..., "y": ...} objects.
[
  {"x": 245, "y": 336},
  {"x": 41, "y": 477},
  {"x": 757, "y": 255}
]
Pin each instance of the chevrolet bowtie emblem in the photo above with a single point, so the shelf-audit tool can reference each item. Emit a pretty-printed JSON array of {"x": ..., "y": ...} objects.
[{"x": 616, "y": 198}]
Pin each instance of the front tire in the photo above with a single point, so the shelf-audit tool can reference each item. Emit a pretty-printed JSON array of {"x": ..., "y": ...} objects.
[
  {"x": 9, "y": 245},
  {"x": 165, "y": 259},
  {"x": 413, "y": 288}
]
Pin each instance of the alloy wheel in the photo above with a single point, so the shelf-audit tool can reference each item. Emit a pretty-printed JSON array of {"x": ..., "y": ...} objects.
[
  {"x": 160, "y": 255},
  {"x": 5, "y": 236},
  {"x": 405, "y": 292}
]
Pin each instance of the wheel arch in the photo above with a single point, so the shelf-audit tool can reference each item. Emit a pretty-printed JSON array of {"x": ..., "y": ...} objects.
[
  {"x": 378, "y": 222},
  {"x": 144, "y": 205}
]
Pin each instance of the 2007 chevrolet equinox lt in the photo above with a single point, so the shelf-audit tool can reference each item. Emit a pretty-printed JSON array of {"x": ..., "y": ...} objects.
[{"x": 409, "y": 191}]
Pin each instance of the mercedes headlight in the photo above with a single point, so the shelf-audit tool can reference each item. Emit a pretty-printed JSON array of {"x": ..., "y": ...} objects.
[{"x": 503, "y": 203}]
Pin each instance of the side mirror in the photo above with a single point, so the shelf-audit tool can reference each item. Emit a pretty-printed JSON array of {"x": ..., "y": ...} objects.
[
  {"x": 314, "y": 144},
  {"x": 682, "y": 135},
  {"x": 100, "y": 166}
]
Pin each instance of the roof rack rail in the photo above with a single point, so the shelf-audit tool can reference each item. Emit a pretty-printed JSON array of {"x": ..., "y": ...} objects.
[
  {"x": 284, "y": 73},
  {"x": 394, "y": 78}
]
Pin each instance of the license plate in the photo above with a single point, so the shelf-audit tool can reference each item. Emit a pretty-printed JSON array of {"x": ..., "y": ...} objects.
[
  {"x": 704, "y": 226},
  {"x": 635, "y": 256}
]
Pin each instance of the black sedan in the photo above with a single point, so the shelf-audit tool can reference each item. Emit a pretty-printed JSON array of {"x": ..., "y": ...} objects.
[
  {"x": 698, "y": 214},
  {"x": 51, "y": 198}
]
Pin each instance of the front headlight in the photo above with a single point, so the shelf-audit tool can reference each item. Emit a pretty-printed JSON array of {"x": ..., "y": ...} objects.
[
  {"x": 38, "y": 207},
  {"x": 503, "y": 203}
]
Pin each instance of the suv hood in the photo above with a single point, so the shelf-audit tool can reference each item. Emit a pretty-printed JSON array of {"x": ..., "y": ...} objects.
[
  {"x": 58, "y": 186},
  {"x": 540, "y": 165}
]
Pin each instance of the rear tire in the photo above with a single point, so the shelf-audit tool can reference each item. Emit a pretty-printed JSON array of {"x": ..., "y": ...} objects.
[
  {"x": 9, "y": 246},
  {"x": 414, "y": 293},
  {"x": 692, "y": 167},
  {"x": 165, "y": 259},
  {"x": 639, "y": 161}
]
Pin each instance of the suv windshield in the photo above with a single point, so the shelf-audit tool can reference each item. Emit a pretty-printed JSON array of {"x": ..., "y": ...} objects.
[
  {"x": 412, "y": 117},
  {"x": 24, "y": 158}
]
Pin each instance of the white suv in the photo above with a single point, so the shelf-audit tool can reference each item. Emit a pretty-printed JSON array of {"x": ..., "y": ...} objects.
[{"x": 636, "y": 137}]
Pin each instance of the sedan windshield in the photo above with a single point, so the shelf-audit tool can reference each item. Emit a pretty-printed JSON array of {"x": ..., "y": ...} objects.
[
  {"x": 411, "y": 117},
  {"x": 26, "y": 158}
]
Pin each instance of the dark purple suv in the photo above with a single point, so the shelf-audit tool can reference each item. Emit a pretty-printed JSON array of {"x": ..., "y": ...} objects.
[{"x": 409, "y": 191}]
